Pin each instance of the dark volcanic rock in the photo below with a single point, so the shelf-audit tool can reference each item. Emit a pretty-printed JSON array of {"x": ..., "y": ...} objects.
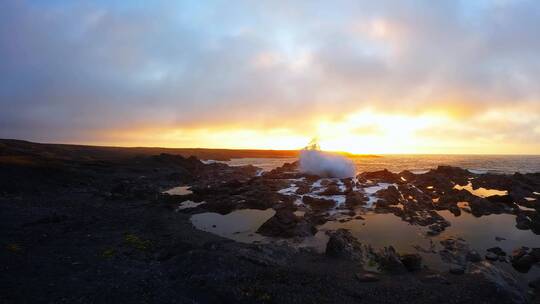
[
  {"x": 473, "y": 256},
  {"x": 354, "y": 199},
  {"x": 332, "y": 189},
  {"x": 390, "y": 196},
  {"x": 535, "y": 284},
  {"x": 382, "y": 176},
  {"x": 523, "y": 222},
  {"x": 496, "y": 250},
  {"x": 457, "y": 269},
  {"x": 318, "y": 204},
  {"x": 524, "y": 258},
  {"x": 286, "y": 224},
  {"x": 413, "y": 262},
  {"x": 389, "y": 261},
  {"x": 524, "y": 263},
  {"x": 343, "y": 245}
]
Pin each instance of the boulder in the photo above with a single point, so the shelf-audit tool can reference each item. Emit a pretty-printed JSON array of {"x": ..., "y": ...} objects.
[
  {"x": 523, "y": 263},
  {"x": 343, "y": 245},
  {"x": 413, "y": 262},
  {"x": 389, "y": 261},
  {"x": 286, "y": 224}
]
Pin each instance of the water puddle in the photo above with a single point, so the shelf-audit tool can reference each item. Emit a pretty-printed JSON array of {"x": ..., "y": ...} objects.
[
  {"x": 188, "y": 205},
  {"x": 380, "y": 230},
  {"x": 481, "y": 192},
  {"x": 181, "y": 190},
  {"x": 239, "y": 225}
]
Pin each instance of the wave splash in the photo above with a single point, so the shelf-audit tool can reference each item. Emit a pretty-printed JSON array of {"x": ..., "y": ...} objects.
[{"x": 325, "y": 164}]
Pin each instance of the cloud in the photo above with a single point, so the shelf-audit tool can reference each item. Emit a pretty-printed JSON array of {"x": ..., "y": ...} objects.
[{"x": 72, "y": 71}]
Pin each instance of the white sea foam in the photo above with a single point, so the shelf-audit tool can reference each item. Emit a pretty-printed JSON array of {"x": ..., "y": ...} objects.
[{"x": 325, "y": 164}]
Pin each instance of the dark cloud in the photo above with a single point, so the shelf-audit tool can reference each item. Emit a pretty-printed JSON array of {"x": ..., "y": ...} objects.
[{"x": 69, "y": 69}]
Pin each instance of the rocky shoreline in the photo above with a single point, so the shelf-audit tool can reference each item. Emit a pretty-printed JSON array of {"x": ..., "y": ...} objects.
[{"x": 101, "y": 230}]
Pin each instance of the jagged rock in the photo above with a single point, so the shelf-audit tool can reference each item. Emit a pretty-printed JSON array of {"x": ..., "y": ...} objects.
[
  {"x": 390, "y": 196},
  {"x": 383, "y": 176},
  {"x": 318, "y": 204},
  {"x": 343, "y": 245},
  {"x": 389, "y": 260},
  {"x": 353, "y": 199},
  {"x": 286, "y": 224}
]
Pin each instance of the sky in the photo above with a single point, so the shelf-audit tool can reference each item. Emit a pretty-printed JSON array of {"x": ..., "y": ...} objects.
[{"x": 362, "y": 76}]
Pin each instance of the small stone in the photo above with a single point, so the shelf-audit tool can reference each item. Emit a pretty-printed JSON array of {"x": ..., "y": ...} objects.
[
  {"x": 499, "y": 239},
  {"x": 497, "y": 250},
  {"x": 491, "y": 256}
]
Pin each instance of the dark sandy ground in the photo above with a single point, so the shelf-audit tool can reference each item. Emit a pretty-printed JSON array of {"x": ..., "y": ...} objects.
[{"x": 98, "y": 230}]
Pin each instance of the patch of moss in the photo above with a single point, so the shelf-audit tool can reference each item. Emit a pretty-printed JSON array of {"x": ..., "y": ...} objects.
[
  {"x": 15, "y": 248},
  {"x": 137, "y": 242},
  {"x": 108, "y": 253}
]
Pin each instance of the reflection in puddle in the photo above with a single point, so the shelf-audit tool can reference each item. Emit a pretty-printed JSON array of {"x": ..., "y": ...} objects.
[
  {"x": 182, "y": 190},
  {"x": 481, "y": 192},
  {"x": 380, "y": 230},
  {"x": 480, "y": 232},
  {"x": 188, "y": 205},
  {"x": 239, "y": 225},
  {"x": 488, "y": 231}
]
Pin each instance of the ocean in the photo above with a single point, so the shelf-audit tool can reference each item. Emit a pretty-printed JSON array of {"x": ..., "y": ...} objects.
[{"x": 498, "y": 164}]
